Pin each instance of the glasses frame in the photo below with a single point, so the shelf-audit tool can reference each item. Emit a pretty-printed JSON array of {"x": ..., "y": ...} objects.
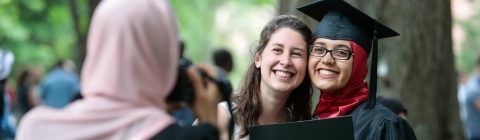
[{"x": 310, "y": 48}]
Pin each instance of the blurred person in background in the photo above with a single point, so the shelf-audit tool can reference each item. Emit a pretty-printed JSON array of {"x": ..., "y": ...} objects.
[
  {"x": 27, "y": 84},
  {"x": 223, "y": 60},
  {"x": 130, "y": 68},
  {"x": 472, "y": 104},
  {"x": 8, "y": 122},
  {"x": 394, "y": 105},
  {"x": 60, "y": 85},
  {"x": 462, "y": 80},
  {"x": 184, "y": 115},
  {"x": 276, "y": 88}
]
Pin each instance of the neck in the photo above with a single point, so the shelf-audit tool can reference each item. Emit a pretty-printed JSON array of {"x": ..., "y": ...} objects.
[{"x": 273, "y": 106}]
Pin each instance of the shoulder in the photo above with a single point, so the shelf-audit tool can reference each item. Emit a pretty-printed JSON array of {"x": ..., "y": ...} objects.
[
  {"x": 472, "y": 85},
  {"x": 223, "y": 112},
  {"x": 198, "y": 132},
  {"x": 380, "y": 112},
  {"x": 33, "y": 121},
  {"x": 36, "y": 113},
  {"x": 379, "y": 119},
  {"x": 224, "y": 106}
]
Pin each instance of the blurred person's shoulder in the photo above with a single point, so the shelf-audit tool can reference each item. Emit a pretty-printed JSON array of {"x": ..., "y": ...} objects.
[
  {"x": 473, "y": 84},
  {"x": 472, "y": 88},
  {"x": 37, "y": 113},
  {"x": 32, "y": 120}
]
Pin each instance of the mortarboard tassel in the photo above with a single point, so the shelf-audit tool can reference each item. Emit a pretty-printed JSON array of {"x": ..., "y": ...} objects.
[{"x": 373, "y": 73}]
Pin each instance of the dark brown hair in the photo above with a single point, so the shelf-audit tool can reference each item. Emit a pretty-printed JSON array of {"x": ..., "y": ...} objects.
[{"x": 248, "y": 106}]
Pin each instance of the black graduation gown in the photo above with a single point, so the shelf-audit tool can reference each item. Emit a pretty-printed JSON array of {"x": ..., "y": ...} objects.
[
  {"x": 198, "y": 132},
  {"x": 380, "y": 124}
]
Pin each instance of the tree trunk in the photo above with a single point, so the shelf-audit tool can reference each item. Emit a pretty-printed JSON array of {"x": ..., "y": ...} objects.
[
  {"x": 421, "y": 70},
  {"x": 81, "y": 35}
]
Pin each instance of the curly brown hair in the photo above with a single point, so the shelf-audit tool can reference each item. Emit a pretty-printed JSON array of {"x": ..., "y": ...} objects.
[{"x": 248, "y": 106}]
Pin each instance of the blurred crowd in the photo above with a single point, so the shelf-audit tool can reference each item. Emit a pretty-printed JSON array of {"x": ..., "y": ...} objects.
[
  {"x": 56, "y": 88},
  {"x": 60, "y": 86}
]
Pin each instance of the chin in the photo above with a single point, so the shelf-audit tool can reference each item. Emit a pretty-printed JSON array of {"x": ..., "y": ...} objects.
[
  {"x": 283, "y": 88},
  {"x": 326, "y": 87}
]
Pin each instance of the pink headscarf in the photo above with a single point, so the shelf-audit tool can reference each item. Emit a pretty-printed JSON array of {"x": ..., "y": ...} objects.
[{"x": 130, "y": 68}]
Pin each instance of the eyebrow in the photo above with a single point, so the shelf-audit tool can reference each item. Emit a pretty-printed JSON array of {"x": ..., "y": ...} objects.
[
  {"x": 342, "y": 46},
  {"x": 336, "y": 46},
  {"x": 281, "y": 45},
  {"x": 278, "y": 44},
  {"x": 320, "y": 43},
  {"x": 297, "y": 48}
]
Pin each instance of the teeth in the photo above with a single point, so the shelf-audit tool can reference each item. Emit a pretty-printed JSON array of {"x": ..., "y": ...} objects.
[
  {"x": 327, "y": 72},
  {"x": 283, "y": 74}
]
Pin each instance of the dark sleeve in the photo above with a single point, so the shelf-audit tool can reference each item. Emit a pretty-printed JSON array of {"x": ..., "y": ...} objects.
[
  {"x": 397, "y": 129},
  {"x": 199, "y": 132}
]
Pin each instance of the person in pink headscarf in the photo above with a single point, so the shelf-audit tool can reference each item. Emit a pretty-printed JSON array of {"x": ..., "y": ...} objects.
[{"x": 129, "y": 70}]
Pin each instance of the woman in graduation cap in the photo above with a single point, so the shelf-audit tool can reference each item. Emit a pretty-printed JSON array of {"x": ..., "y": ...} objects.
[{"x": 338, "y": 67}]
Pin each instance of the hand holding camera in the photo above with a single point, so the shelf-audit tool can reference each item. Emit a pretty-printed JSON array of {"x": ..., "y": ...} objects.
[{"x": 206, "y": 93}]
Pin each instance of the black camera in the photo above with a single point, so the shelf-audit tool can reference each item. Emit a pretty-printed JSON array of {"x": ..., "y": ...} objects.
[{"x": 183, "y": 90}]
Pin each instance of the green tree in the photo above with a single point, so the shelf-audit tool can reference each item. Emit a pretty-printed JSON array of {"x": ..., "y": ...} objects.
[
  {"x": 469, "y": 51},
  {"x": 40, "y": 32}
]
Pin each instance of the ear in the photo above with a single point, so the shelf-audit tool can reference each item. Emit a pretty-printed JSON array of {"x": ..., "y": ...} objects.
[{"x": 257, "y": 60}]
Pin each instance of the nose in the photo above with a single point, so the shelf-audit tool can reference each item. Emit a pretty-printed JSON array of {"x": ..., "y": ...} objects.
[
  {"x": 327, "y": 59},
  {"x": 285, "y": 60}
]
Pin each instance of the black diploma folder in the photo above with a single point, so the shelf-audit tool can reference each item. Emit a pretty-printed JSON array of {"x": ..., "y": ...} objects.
[{"x": 340, "y": 128}]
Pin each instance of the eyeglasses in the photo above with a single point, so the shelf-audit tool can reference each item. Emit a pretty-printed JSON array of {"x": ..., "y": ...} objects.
[{"x": 338, "y": 54}]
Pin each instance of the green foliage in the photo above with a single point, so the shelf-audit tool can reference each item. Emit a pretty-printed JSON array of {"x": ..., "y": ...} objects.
[
  {"x": 465, "y": 59},
  {"x": 39, "y": 32},
  {"x": 195, "y": 20}
]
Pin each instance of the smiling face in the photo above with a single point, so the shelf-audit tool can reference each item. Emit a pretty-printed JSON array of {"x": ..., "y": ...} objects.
[
  {"x": 329, "y": 74},
  {"x": 283, "y": 62}
]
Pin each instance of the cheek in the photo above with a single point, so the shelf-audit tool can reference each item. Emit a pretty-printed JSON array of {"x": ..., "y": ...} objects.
[
  {"x": 301, "y": 66},
  {"x": 346, "y": 70},
  {"x": 312, "y": 63}
]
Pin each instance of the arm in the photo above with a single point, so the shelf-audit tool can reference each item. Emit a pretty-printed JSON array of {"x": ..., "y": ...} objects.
[
  {"x": 206, "y": 96},
  {"x": 223, "y": 119}
]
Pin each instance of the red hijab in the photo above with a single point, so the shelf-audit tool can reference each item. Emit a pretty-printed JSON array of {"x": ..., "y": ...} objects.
[{"x": 343, "y": 101}]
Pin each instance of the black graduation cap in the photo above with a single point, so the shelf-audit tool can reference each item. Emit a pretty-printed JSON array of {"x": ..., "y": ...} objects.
[{"x": 341, "y": 21}]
